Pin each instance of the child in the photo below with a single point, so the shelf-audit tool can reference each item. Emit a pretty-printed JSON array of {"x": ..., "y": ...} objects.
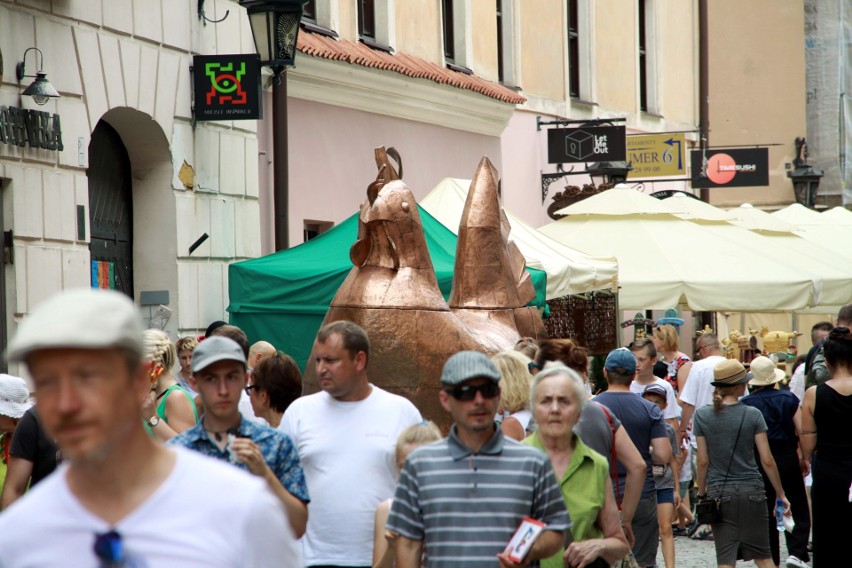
[
  {"x": 666, "y": 478},
  {"x": 410, "y": 438}
]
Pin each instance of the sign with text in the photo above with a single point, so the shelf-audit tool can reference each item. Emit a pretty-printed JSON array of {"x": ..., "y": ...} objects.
[
  {"x": 587, "y": 144},
  {"x": 33, "y": 128},
  {"x": 656, "y": 155},
  {"x": 227, "y": 87},
  {"x": 732, "y": 167}
]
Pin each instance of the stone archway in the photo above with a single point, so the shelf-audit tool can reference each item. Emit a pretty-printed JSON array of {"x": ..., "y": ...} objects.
[{"x": 153, "y": 231}]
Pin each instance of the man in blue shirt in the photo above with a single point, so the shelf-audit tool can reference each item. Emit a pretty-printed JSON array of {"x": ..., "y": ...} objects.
[
  {"x": 219, "y": 375},
  {"x": 644, "y": 423}
]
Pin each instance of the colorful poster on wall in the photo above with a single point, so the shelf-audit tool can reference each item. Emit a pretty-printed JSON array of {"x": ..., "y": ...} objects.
[
  {"x": 227, "y": 87},
  {"x": 103, "y": 274}
]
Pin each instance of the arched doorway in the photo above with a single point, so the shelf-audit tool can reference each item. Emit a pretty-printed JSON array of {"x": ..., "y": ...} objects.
[{"x": 110, "y": 211}]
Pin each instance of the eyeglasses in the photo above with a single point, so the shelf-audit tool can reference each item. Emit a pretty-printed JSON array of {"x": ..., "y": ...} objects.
[
  {"x": 109, "y": 549},
  {"x": 248, "y": 389},
  {"x": 533, "y": 366},
  {"x": 467, "y": 393}
]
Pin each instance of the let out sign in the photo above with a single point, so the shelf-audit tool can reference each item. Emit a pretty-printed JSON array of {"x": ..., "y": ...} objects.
[
  {"x": 227, "y": 87},
  {"x": 586, "y": 144}
]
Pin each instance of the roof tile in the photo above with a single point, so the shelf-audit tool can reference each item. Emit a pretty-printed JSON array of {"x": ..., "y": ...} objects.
[{"x": 318, "y": 45}]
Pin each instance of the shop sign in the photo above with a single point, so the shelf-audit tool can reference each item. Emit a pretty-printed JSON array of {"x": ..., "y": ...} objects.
[
  {"x": 656, "y": 155},
  {"x": 586, "y": 144},
  {"x": 33, "y": 128},
  {"x": 732, "y": 167},
  {"x": 227, "y": 87}
]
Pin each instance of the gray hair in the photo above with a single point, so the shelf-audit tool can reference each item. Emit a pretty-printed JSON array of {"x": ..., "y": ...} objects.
[{"x": 553, "y": 369}]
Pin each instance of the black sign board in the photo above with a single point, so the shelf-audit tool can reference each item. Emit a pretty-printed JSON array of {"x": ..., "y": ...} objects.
[
  {"x": 732, "y": 167},
  {"x": 227, "y": 87},
  {"x": 586, "y": 144},
  {"x": 33, "y": 128}
]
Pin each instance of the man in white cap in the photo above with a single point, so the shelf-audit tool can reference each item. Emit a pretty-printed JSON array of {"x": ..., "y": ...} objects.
[{"x": 121, "y": 499}]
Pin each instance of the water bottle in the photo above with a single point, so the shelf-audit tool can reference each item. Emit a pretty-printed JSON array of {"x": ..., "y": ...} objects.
[{"x": 779, "y": 515}]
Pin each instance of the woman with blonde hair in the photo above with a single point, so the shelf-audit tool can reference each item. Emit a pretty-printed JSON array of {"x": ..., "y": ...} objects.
[
  {"x": 409, "y": 439},
  {"x": 667, "y": 343},
  {"x": 514, "y": 393},
  {"x": 169, "y": 409}
]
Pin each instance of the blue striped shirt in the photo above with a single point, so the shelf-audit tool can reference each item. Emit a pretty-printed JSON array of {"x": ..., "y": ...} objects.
[{"x": 466, "y": 506}]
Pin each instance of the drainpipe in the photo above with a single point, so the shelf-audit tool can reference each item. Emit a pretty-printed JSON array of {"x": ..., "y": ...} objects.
[{"x": 703, "y": 85}]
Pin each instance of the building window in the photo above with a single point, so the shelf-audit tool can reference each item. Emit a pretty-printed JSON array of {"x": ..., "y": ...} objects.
[
  {"x": 643, "y": 58},
  {"x": 500, "y": 59},
  {"x": 367, "y": 19},
  {"x": 313, "y": 229},
  {"x": 449, "y": 30},
  {"x": 309, "y": 12},
  {"x": 574, "y": 49}
]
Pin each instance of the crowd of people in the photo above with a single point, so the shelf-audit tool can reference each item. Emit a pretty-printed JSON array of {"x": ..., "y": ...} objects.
[{"x": 141, "y": 451}]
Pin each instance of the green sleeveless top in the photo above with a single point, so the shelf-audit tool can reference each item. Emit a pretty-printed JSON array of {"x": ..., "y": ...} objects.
[{"x": 161, "y": 408}]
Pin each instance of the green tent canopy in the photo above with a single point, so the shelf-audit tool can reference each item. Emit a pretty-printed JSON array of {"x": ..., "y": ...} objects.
[{"x": 283, "y": 297}]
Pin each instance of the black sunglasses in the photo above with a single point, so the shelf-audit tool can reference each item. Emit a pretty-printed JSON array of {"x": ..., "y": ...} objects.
[
  {"x": 248, "y": 389},
  {"x": 468, "y": 392},
  {"x": 109, "y": 550},
  {"x": 533, "y": 365}
]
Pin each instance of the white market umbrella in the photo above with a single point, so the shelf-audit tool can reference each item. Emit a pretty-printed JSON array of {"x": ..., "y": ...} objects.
[
  {"x": 665, "y": 260},
  {"x": 569, "y": 271},
  {"x": 786, "y": 248}
]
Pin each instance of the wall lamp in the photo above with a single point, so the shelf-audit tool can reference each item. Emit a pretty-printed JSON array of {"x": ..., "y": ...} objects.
[{"x": 40, "y": 90}]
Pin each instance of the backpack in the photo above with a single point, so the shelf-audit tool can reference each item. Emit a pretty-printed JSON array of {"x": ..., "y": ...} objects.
[{"x": 817, "y": 372}]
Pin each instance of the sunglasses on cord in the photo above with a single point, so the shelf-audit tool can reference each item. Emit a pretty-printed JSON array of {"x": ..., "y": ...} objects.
[
  {"x": 109, "y": 549},
  {"x": 468, "y": 392}
]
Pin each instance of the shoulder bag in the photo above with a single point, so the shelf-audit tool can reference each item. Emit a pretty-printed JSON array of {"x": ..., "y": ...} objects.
[{"x": 708, "y": 511}]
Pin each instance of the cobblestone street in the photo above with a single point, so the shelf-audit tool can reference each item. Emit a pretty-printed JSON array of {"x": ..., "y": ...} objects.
[{"x": 691, "y": 553}]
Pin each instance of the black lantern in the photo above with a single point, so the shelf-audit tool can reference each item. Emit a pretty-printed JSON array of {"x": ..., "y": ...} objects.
[
  {"x": 804, "y": 177},
  {"x": 611, "y": 173},
  {"x": 275, "y": 27},
  {"x": 40, "y": 90}
]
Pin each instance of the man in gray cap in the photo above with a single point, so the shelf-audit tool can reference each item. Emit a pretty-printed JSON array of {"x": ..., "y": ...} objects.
[
  {"x": 464, "y": 497},
  {"x": 219, "y": 376},
  {"x": 121, "y": 499}
]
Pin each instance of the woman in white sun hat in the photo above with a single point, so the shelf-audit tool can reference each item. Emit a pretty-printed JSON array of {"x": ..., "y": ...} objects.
[{"x": 14, "y": 401}]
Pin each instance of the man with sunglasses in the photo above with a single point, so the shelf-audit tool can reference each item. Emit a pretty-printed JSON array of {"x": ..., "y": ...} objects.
[
  {"x": 464, "y": 497},
  {"x": 697, "y": 390},
  {"x": 120, "y": 498},
  {"x": 219, "y": 376}
]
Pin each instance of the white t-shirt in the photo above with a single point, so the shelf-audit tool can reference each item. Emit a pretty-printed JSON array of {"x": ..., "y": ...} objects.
[
  {"x": 698, "y": 391},
  {"x": 797, "y": 383},
  {"x": 205, "y": 514},
  {"x": 247, "y": 410},
  {"x": 347, "y": 453},
  {"x": 672, "y": 407}
]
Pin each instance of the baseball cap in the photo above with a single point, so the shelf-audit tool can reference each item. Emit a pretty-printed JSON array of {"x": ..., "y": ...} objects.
[
  {"x": 621, "y": 361},
  {"x": 215, "y": 349},
  {"x": 466, "y": 365},
  {"x": 14, "y": 396},
  {"x": 82, "y": 318},
  {"x": 657, "y": 390}
]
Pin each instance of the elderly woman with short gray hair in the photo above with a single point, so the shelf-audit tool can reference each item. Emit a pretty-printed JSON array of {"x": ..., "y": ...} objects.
[{"x": 557, "y": 399}]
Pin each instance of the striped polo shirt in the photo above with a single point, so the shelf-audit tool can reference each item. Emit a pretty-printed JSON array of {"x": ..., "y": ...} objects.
[{"x": 466, "y": 505}]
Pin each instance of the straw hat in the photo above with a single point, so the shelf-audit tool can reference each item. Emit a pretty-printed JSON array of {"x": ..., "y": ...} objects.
[
  {"x": 765, "y": 373},
  {"x": 730, "y": 372}
]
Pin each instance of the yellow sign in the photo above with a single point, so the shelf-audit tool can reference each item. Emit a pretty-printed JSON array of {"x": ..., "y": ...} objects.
[{"x": 656, "y": 155}]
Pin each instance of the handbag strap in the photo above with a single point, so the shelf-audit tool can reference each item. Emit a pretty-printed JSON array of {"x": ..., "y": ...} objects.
[
  {"x": 613, "y": 470},
  {"x": 736, "y": 441}
]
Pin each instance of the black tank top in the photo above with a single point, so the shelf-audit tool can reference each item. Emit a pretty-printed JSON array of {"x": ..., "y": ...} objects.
[{"x": 833, "y": 417}]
